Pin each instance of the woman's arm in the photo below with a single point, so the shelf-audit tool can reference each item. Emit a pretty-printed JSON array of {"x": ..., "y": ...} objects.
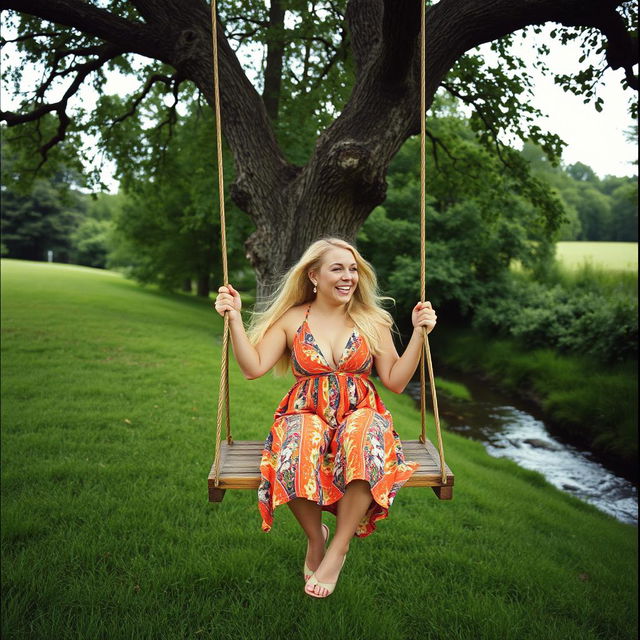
[
  {"x": 254, "y": 361},
  {"x": 393, "y": 370}
]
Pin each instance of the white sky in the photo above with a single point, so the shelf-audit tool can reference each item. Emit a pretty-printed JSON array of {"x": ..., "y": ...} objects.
[{"x": 596, "y": 139}]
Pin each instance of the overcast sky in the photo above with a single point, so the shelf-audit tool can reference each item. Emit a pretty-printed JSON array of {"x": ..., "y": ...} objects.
[{"x": 596, "y": 139}]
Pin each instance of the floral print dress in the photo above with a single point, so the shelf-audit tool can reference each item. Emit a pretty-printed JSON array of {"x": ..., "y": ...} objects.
[{"x": 331, "y": 428}]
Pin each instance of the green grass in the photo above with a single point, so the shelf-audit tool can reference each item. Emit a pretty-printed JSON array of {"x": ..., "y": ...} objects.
[
  {"x": 451, "y": 388},
  {"x": 107, "y": 438},
  {"x": 616, "y": 256},
  {"x": 603, "y": 281}
]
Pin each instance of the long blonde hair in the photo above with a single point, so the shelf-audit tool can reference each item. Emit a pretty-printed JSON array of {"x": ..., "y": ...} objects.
[{"x": 295, "y": 288}]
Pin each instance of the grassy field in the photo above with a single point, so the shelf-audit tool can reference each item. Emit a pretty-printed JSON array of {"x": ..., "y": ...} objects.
[
  {"x": 617, "y": 256},
  {"x": 107, "y": 438}
]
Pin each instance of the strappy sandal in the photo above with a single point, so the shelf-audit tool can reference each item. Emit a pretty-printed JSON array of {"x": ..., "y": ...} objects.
[
  {"x": 325, "y": 534},
  {"x": 329, "y": 586}
]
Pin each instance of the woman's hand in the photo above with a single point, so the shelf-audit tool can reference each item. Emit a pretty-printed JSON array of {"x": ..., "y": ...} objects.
[
  {"x": 228, "y": 301},
  {"x": 423, "y": 316}
]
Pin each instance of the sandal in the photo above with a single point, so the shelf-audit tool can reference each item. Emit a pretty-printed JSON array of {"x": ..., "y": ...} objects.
[
  {"x": 329, "y": 586},
  {"x": 325, "y": 534}
]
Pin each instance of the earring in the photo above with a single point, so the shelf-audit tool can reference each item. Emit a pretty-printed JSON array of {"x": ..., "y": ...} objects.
[{"x": 315, "y": 289}]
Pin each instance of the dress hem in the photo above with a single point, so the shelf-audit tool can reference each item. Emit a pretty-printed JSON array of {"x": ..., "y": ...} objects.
[{"x": 376, "y": 511}]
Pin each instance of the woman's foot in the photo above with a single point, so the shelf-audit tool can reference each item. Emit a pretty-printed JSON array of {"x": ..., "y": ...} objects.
[
  {"x": 315, "y": 553},
  {"x": 324, "y": 579}
]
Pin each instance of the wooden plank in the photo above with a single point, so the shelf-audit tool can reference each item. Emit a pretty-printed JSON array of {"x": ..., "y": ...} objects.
[{"x": 240, "y": 468}]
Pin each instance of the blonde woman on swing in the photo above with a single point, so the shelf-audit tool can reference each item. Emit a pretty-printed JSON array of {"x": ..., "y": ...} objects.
[{"x": 332, "y": 446}]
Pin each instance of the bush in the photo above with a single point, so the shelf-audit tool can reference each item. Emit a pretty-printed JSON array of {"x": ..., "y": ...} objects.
[{"x": 570, "y": 319}]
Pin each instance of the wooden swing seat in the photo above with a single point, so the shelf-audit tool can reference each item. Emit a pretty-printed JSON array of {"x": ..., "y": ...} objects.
[{"x": 240, "y": 468}]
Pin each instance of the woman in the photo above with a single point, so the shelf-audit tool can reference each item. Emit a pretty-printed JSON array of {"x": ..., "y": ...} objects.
[{"x": 332, "y": 446}]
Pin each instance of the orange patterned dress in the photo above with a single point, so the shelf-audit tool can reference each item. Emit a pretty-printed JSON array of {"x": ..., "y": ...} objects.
[{"x": 331, "y": 428}]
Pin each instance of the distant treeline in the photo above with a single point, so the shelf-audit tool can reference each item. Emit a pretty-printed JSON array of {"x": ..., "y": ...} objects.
[{"x": 597, "y": 209}]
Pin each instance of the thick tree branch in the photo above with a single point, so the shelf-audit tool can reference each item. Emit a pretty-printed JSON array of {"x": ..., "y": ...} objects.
[
  {"x": 178, "y": 32},
  {"x": 275, "y": 55},
  {"x": 262, "y": 172},
  {"x": 364, "y": 19},
  {"x": 133, "y": 37},
  {"x": 400, "y": 29},
  {"x": 166, "y": 11},
  {"x": 478, "y": 22}
]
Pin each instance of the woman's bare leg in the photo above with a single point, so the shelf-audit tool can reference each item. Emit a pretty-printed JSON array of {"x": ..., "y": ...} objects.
[
  {"x": 309, "y": 515},
  {"x": 351, "y": 509}
]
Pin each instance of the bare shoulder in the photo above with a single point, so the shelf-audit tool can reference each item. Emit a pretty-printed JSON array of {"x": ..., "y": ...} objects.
[
  {"x": 384, "y": 335},
  {"x": 382, "y": 329},
  {"x": 291, "y": 320}
]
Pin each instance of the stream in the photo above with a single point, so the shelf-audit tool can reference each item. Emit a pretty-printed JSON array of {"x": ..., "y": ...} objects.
[{"x": 513, "y": 429}]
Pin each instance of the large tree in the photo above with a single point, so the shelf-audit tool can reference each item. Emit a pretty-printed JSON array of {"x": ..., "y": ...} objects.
[{"x": 339, "y": 181}]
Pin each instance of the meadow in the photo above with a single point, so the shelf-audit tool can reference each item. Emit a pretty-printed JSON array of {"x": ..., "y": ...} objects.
[
  {"x": 615, "y": 256},
  {"x": 108, "y": 424}
]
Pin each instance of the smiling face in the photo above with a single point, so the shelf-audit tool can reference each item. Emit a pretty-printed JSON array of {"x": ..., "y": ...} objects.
[{"x": 337, "y": 277}]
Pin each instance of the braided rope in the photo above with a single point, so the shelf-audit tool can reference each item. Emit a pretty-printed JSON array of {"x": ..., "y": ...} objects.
[
  {"x": 223, "y": 391},
  {"x": 425, "y": 352}
]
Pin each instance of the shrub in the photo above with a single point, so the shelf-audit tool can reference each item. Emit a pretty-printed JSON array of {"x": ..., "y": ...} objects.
[{"x": 567, "y": 318}]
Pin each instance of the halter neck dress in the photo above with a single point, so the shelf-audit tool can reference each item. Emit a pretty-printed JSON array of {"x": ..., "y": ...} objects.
[{"x": 329, "y": 429}]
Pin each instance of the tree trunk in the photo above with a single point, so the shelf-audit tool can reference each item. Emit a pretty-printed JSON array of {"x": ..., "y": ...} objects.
[
  {"x": 186, "y": 285},
  {"x": 203, "y": 285}
]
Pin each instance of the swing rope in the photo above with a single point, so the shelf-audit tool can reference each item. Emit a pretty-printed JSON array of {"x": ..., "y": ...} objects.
[
  {"x": 223, "y": 391},
  {"x": 425, "y": 353}
]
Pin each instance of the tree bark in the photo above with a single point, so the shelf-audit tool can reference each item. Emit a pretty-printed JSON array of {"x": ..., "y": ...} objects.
[
  {"x": 275, "y": 55},
  {"x": 344, "y": 178}
]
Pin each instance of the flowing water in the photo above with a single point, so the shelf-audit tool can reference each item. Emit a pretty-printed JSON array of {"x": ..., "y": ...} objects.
[{"x": 513, "y": 429}]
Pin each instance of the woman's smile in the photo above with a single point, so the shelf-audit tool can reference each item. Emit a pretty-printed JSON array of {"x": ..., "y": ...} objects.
[{"x": 344, "y": 289}]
